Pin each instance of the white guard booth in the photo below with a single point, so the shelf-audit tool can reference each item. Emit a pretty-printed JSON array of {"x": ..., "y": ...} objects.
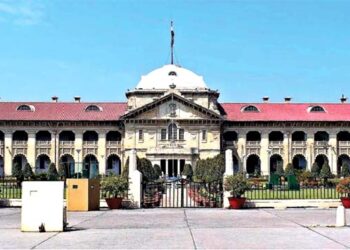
[{"x": 42, "y": 206}]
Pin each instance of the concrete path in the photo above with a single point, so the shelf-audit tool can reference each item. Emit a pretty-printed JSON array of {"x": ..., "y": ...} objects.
[{"x": 184, "y": 229}]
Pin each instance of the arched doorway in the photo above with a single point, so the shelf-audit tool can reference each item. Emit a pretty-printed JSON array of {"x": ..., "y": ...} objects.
[
  {"x": 67, "y": 161},
  {"x": 341, "y": 160},
  {"x": 274, "y": 161},
  {"x": 21, "y": 160},
  {"x": 235, "y": 164},
  {"x": 42, "y": 164},
  {"x": 320, "y": 160},
  {"x": 253, "y": 165},
  {"x": 299, "y": 162},
  {"x": 90, "y": 167},
  {"x": 2, "y": 170},
  {"x": 113, "y": 164}
]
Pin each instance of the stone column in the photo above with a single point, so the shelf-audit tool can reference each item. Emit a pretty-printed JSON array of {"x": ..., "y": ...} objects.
[
  {"x": 78, "y": 151},
  {"x": 31, "y": 150},
  {"x": 264, "y": 153},
  {"x": 286, "y": 148},
  {"x": 332, "y": 151},
  {"x": 8, "y": 153},
  {"x": 228, "y": 171},
  {"x": 135, "y": 178},
  {"x": 102, "y": 157},
  {"x": 310, "y": 143},
  {"x": 241, "y": 150}
]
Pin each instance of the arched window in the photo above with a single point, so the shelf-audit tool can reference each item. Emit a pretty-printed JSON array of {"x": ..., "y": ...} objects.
[
  {"x": 317, "y": 109},
  {"x": 172, "y": 73},
  {"x": 25, "y": 107},
  {"x": 93, "y": 108},
  {"x": 250, "y": 108},
  {"x": 172, "y": 131}
]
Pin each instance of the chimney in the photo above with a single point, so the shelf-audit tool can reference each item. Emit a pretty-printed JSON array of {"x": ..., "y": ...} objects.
[
  {"x": 77, "y": 99},
  {"x": 54, "y": 99},
  {"x": 266, "y": 99},
  {"x": 343, "y": 99},
  {"x": 287, "y": 99}
]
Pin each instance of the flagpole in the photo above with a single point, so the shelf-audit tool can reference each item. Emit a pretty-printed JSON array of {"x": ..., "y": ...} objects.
[{"x": 172, "y": 42}]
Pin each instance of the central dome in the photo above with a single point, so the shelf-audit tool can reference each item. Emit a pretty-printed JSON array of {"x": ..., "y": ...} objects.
[{"x": 171, "y": 75}]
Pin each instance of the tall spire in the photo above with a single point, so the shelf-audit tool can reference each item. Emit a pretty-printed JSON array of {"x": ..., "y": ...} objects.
[{"x": 172, "y": 33}]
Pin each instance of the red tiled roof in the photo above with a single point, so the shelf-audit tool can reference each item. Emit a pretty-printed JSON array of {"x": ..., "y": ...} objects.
[
  {"x": 287, "y": 112},
  {"x": 61, "y": 111}
]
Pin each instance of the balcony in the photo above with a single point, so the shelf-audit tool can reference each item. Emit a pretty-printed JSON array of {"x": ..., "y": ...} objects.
[
  {"x": 253, "y": 144},
  {"x": 43, "y": 144},
  {"x": 20, "y": 144},
  {"x": 275, "y": 144},
  {"x": 344, "y": 144},
  {"x": 299, "y": 143},
  {"x": 90, "y": 144},
  {"x": 66, "y": 144},
  {"x": 321, "y": 144},
  {"x": 112, "y": 144}
]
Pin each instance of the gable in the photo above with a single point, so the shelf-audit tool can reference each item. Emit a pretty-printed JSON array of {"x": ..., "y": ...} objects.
[{"x": 172, "y": 106}]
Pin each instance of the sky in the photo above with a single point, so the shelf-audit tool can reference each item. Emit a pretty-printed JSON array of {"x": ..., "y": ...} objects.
[{"x": 245, "y": 49}]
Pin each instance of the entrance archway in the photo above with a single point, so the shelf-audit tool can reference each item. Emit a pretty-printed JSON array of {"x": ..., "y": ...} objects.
[
  {"x": 90, "y": 169},
  {"x": 253, "y": 165},
  {"x": 113, "y": 164},
  {"x": 274, "y": 161},
  {"x": 21, "y": 160},
  {"x": 341, "y": 160},
  {"x": 67, "y": 161},
  {"x": 320, "y": 160},
  {"x": 42, "y": 164},
  {"x": 299, "y": 162},
  {"x": 2, "y": 170}
]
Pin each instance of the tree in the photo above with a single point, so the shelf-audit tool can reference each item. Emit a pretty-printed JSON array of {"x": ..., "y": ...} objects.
[
  {"x": 345, "y": 171},
  {"x": 28, "y": 172},
  {"x": 52, "y": 174},
  {"x": 147, "y": 170},
  {"x": 62, "y": 172},
  {"x": 188, "y": 171},
  {"x": 17, "y": 172},
  {"x": 157, "y": 170},
  {"x": 325, "y": 172},
  {"x": 315, "y": 170},
  {"x": 279, "y": 169},
  {"x": 289, "y": 169},
  {"x": 210, "y": 169}
]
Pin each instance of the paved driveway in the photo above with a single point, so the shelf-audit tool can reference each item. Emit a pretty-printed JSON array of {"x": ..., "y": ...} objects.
[{"x": 184, "y": 229}]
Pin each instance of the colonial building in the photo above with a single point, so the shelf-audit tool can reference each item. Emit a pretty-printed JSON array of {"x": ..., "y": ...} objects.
[{"x": 172, "y": 117}]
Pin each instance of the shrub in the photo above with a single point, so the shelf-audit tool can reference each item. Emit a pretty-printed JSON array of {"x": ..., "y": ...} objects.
[
  {"x": 52, "y": 174},
  {"x": 188, "y": 171},
  {"x": 325, "y": 172},
  {"x": 345, "y": 171},
  {"x": 210, "y": 169},
  {"x": 62, "y": 172},
  {"x": 41, "y": 177},
  {"x": 315, "y": 170},
  {"x": 114, "y": 186},
  {"x": 158, "y": 171},
  {"x": 236, "y": 184},
  {"x": 304, "y": 176},
  {"x": 28, "y": 172},
  {"x": 279, "y": 169},
  {"x": 289, "y": 169},
  {"x": 17, "y": 171},
  {"x": 147, "y": 170},
  {"x": 343, "y": 186}
]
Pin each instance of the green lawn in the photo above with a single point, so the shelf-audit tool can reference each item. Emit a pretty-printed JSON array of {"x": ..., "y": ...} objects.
[{"x": 309, "y": 193}]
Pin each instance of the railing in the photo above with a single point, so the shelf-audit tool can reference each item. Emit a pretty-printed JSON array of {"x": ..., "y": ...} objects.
[
  {"x": 10, "y": 188},
  {"x": 344, "y": 143},
  {"x": 67, "y": 143},
  {"x": 43, "y": 143},
  {"x": 253, "y": 143},
  {"x": 321, "y": 143},
  {"x": 20, "y": 143},
  {"x": 299, "y": 143},
  {"x": 90, "y": 143},
  {"x": 283, "y": 192},
  {"x": 113, "y": 143},
  {"x": 276, "y": 143}
]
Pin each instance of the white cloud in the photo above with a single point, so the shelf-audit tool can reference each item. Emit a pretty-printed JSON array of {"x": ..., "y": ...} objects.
[{"x": 21, "y": 12}]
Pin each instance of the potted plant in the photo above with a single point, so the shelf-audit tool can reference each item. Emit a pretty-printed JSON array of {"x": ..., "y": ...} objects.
[
  {"x": 237, "y": 185},
  {"x": 343, "y": 188},
  {"x": 114, "y": 188}
]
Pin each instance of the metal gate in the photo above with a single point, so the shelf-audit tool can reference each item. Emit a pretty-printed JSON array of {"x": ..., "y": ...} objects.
[{"x": 182, "y": 193}]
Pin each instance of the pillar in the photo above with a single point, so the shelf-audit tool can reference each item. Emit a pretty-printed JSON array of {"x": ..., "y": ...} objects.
[
  {"x": 31, "y": 149},
  {"x": 286, "y": 148},
  {"x": 8, "y": 153},
  {"x": 332, "y": 152},
  {"x": 102, "y": 157},
  {"x": 78, "y": 151},
  {"x": 228, "y": 171},
  {"x": 310, "y": 143},
  {"x": 135, "y": 178},
  {"x": 264, "y": 153},
  {"x": 241, "y": 150}
]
